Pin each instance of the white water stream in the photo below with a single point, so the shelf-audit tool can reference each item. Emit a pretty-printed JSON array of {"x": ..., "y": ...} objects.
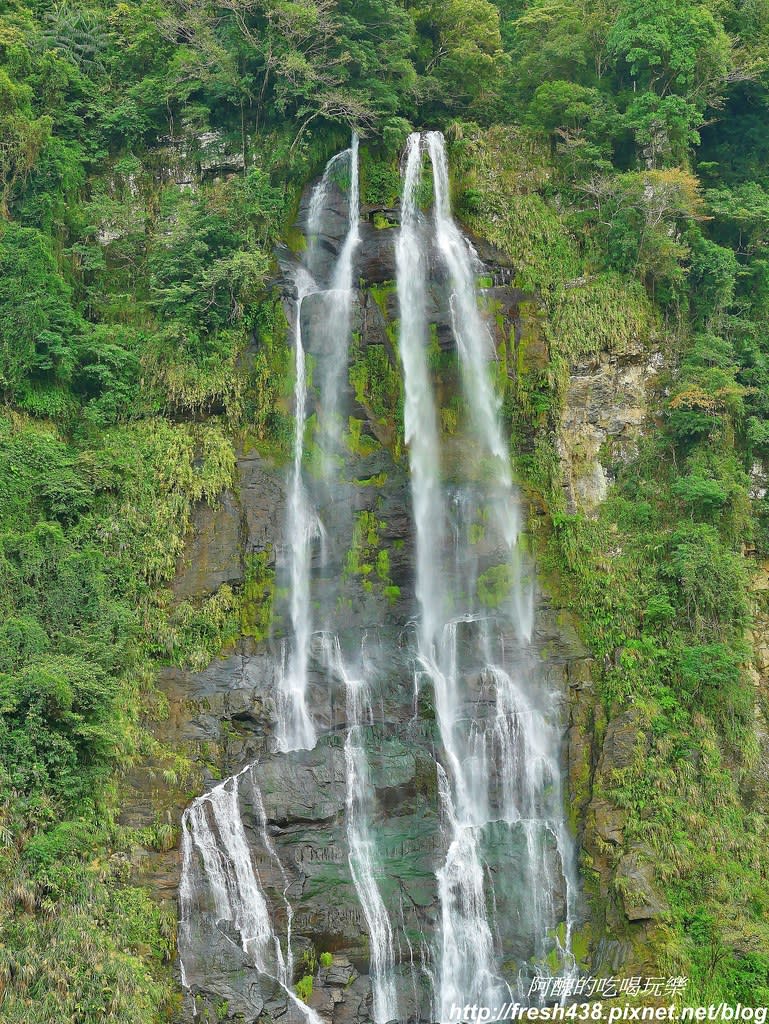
[{"x": 498, "y": 769}]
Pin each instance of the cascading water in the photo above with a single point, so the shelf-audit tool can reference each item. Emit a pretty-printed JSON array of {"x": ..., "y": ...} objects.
[
  {"x": 420, "y": 420},
  {"x": 218, "y": 874},
  {"x": 338, "y": 315},
  {"x": 497, "y": 882},
  {"x": 362, "y": 855},
  {"x": 295, "y": 728},
  {"x": 518, "y": 745}
]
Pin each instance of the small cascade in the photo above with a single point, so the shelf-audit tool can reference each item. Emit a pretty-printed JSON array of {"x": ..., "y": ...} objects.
[
  {"x": 220, "y": 889},
  {"x": 364, "y": 866},
  {"x": 317, "y": 208},
  {"x": 466, "y": 954}
]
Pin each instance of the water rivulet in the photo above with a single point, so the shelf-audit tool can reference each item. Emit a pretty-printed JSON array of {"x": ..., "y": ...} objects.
[{"x": 396, "y": 846}]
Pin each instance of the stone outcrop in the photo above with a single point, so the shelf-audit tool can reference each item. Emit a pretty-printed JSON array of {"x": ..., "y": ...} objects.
[{"x": 606, "y": 406}]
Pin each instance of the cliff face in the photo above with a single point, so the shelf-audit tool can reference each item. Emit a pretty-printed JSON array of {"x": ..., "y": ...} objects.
[{"x": 223, "y": 716}]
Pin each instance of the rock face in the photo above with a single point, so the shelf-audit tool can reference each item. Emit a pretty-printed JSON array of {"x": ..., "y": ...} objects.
[
  {"x": 604, "y": 413},
  {"x": 224, "y": 716}
]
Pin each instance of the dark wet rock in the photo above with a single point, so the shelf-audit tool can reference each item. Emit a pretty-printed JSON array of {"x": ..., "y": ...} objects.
[
  {"x": 214, "y": 553},
  {"x": 625, "y": 742},
  {"x": 376, "y": 255},
  {"x": 263, "y": 502},
  {"x": 609, "y": 822}
]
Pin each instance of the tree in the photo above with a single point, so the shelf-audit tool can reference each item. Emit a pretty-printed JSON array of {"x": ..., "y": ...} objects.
[
  {"x": 672, "y": 47},
  {"x": 467, "y": 62},
  {"x": 39, "y": 335},
  {"x": 22, "y": 136}
]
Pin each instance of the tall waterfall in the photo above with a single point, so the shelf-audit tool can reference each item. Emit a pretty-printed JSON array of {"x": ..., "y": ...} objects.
[
  {"x": 517, "y": 744},
  {"x": 295, "y": 728},
  {"x": 420, "y": 421},
  {"x": 490, "y": 877}
]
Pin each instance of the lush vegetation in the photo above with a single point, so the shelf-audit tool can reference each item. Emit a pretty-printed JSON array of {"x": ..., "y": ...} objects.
[{"x": 151, "y": 154}]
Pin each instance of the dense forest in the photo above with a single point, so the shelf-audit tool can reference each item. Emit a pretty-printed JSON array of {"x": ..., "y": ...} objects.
[{"x": 618, "y": 152}]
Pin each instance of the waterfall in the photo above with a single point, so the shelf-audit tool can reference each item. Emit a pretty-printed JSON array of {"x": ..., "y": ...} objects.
[
  {"x": 217, "y": 868},
  {"x": 317, "y": 207},
  {"x": 466, "y": 955},
  {"x": 339, "y": 315},
  {"x": 420, "y": 420},
  {"x": 362, "y": 857},
  {"x": 500, "y": 771},
  {"x": 295, "y": 727},
  {"x": 471, "y": 333},
  {"x": 503, "y": 849}
]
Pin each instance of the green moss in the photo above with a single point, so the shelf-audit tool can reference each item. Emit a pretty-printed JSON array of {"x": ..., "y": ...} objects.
[
  {"x": 381, "y": 222},
  {"x": 367, "y": 560},
  {"x": 449, "y": 421},
  {"x": 476, "y": 533},
  {"x": 383, "y": 565},
  {"x": 294, "y": 238},
  {"x": 257, "y": 595},
  {"x": 376, "y": 382},
  {"x": 267, "y": 396},
  {"x": 378, "y": 480},
  {"x": 495, "y": 585},
  {"x": 303, "y": 988},
  {"x": 359, "y": 443}
]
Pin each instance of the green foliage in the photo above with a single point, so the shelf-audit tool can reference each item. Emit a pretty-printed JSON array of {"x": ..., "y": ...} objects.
[
  {"x": 377, "y": 386},
  {"x": 466, "y": 60},
  {"x": 495, "y": 585},
  {"x": 381, "y": 181},
  {"x": 605, "y": 314},
  {"x": 39, "y": 336},
  {"x": 303, "y": 987},
  {"x": 139, "y": 332},
  {"x": 256, "y": 598},
  {"x": 367, "y": 559}
]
